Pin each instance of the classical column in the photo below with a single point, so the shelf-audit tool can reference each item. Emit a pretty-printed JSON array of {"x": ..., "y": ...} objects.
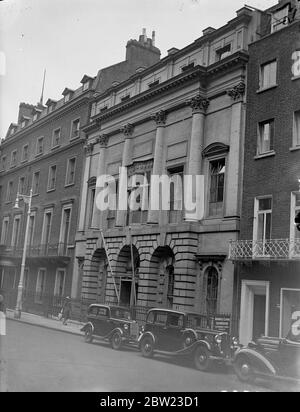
[
  {"x": 126, "y": 161},
  {"x": 199, "y": 107},
  {"x": 102, "y": 141},
  {"x": 88, "y": 148},
  {"x": 234, "y": 163},
  {"x": 160, "y": 119}
]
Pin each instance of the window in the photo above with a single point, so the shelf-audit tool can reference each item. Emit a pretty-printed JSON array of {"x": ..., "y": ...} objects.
[
  {"x": 9, "y": 192},
  {"x": 294, "y": 233},
  {"x": 171, "y": 283},
  {"x": 52, "y": 178},
  {"x": 280, "y": 19},
  {"x": 13, "y": 159},
  {"x": 21, "y": 185},
  {"x": 139, "y": 196},
  {"x": 296, "y": 131},
  {"x": 212, "y": 282},
  {"x": 67, "y": 98},
  {"x": 217, "y": 182},
  {"x": 223, "y": 52},
  {"x": 31, "y": 230},
  {"x": 40, "y": 286},
  {"x": 91, "y": 201},
  {"x": 4, "y": 231},
  {"x": 262, "y": 224},
  {"x": 25, "y": 153},
  {"x": 3, "y": 163},
  {"x": 70, "y": 175},
  {"x": 176, "y": 195},
  {"x": 2, "y": 275},
  {"x": 65, "y": 230},
  {"x": 40, "y": 146},
  {"x": 265, "y": 137},
  {"x": 15, "y": 240},
  {"x": 35, "y": 183},
  {"x": 56, "y": 138},
  {"x": 47, "y": 227},
  {"x": 75, "y": 128},
  {"x": 59, "y": 283},
  {"x": 85, "y": 86},
  {"x": 268, "y": 75}
]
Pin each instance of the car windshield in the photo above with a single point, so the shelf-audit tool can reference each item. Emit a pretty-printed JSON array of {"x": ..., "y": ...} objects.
[
  {"x": 120, "y": 313},
  {"x": 197, "y": 321}
]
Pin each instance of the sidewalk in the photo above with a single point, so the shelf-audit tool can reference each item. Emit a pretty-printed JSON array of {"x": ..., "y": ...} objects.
[{"x": 72, "y": 326}]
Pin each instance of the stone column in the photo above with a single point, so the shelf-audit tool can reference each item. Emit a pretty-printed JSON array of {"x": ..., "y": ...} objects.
[
  {"x": 126, "y": 161},
  {"x": 83, "y": 203},
  {"x": 199, "y": 107},
  {"x": 160, "y": 119},
  {"x": 234, "y": 163},
  {"x": 102, "y": 141}
]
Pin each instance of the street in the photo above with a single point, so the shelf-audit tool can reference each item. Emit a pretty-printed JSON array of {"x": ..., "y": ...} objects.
[{"x": 43, "y": 360}]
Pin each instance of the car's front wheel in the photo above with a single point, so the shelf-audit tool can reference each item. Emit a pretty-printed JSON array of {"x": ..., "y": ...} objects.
[
  {"x": 116, "y": 340},
  {"x": 202, "y": 359},
  {"x": 88, "y": 334},
  {"x": 147, "y": 347},
  {"x": 244, "y": 369}
]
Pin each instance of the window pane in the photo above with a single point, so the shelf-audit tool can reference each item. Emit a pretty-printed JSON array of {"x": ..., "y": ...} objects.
[{"x": 265, "y": 204}]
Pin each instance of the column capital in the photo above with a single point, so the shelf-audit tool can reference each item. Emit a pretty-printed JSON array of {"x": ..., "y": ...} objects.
[
  {"x": 127, "y": 129},
  {"x": 88, "y": 148},
  {"x": 199, "y": 104},
  {"x": 160, "y": 117},
  {"x": 102, "y": 140},
  {"x": 237, "y": 91}
]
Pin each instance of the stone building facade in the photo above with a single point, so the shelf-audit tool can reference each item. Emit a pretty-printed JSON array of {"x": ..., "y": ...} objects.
[{"x": 184, "y": 115}]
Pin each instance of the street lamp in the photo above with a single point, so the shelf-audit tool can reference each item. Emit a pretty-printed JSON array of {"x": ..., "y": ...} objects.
[{"x": 27, "y": 199}]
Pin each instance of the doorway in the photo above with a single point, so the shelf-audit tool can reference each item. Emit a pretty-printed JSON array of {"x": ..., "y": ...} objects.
[{"x": 254, "y": 320}]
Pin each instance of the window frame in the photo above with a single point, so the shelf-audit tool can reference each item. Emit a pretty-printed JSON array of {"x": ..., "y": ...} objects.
[
  {"x": 260, "y": 137},
  {"x": 72, "y": 137},
  {"x": 68, "y": 169},
  {"x": 37, "y": 172},
  {"x": 4, "y": 235},
  {"x": 262, "y": 83},
  {"x": 56, "y": 282},
  {"x": 209, "y": 174},
  {"x": 25, "y": 159},
  {"x": 54, "y": 146},
  {"x": 51, "y": 189},
  {"x": 13, "y": 164},
  {"x": 36, "y": 296},
  {"x": 37, "y": 153}
]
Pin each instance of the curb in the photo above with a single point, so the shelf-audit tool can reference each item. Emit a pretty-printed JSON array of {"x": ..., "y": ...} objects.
[{"x": 70, "y": 332}]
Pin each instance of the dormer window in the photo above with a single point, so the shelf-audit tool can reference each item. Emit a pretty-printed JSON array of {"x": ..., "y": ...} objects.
[
  {"x": 86, "y": 82},
  {"x": 35, "y": 116},
  {"x": 67, "y": 98},
  {"x": 85, "y": 86},
  {"x": 51, "y": 105},
  {"x": 282, "y": 17},
  {"x": 67, "y": 93}
]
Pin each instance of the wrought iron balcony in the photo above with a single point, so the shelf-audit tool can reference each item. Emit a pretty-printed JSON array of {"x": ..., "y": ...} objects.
[
  {"x": 41, "y": 250},
  {"x": 273, "y": 249}
]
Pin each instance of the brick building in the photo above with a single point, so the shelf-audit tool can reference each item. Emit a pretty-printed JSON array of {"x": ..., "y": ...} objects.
[
  {"x": 182, "y": 116},
  {"x": 268, "y": 254},
  {"x": 44, "y": 151}
]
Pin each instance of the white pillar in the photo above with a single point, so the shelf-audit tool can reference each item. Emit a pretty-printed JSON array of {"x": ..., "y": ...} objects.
[
  {"x": 126, "y": 161},
  {"x": 160, "y": 119},
  {"x": 199, "y": 106},
  {"x": 102, "y": 140},
  {"x": 83, "y": 203},
  {"x": 234, "y": 164}
]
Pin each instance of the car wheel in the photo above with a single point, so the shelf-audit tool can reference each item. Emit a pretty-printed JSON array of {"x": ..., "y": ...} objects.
[
  {"x": 88, "y": 335},
  {"x": 202, "y": 358},
  {"x": 189, "y": 340},
  {"x": 244, "y": 369},
  {"x": 147, "y": 347},
  {"x": 116, "y": 340}
]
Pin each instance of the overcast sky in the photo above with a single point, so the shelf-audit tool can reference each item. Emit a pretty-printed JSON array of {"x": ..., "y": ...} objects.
[{"x": 71, "y": 38}]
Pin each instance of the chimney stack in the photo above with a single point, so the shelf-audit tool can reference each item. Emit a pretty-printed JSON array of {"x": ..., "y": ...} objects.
[{"x": 144, "y": 35}]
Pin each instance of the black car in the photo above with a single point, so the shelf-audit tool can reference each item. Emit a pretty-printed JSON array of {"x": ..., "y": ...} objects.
[
  {"x": 174, "y": 333},
  {"x": 111, "y": 323},
  {"x": 268, "y": 358}
]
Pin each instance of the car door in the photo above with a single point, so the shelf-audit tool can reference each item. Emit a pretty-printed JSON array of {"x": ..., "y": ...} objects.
[
  {"x": 174, "y": 332},
  {"x": 290, "y": 358},
  {"x": 159, "y": 330},
  {"x": 102, "y": 324}
]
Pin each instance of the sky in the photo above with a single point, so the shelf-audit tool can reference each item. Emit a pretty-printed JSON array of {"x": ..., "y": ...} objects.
[{"x": 70, "y": 38}]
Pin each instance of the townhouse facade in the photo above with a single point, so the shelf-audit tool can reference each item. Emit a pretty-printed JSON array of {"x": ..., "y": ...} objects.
[
  {"x": 267, "y": 256},
  {"x": 183, "y": 116},
  {"x": 44, "y": 151}
]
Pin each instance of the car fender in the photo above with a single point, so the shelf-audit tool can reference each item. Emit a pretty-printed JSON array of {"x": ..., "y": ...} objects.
[
  {"x": 84, "y": 328},
  {"x": 114, "y": 331},
  {"x": 191, "y": 331},
  {"x": 204, "y": 343},
  {"x": 258, "y": 360},
  {"x": 145, "y": 334}
]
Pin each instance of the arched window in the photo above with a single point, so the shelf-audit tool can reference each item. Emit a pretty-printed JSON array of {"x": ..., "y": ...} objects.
[
  {"x": 170, "y": 294},
  {"x": 212, "y": 284}
]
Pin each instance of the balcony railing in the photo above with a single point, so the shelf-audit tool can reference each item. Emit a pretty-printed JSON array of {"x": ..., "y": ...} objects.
[
  {"x": 273, "y": 249},
  {"x": 42, "y": 250}
]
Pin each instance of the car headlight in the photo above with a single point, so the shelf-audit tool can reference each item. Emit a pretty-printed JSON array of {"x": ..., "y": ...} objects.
[
  {"x": 126, "y": 327},
  {"x": 218, "y": 339},
  {"x": 235, "y": 341}
]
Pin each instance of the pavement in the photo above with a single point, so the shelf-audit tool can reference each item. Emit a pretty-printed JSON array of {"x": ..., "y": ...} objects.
[{"x": 72, "y": 326}]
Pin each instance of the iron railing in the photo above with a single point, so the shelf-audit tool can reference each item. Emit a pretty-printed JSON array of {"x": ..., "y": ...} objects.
[
  {"x": 40, "y": 250},
  {"x": 273, "y": 249}
]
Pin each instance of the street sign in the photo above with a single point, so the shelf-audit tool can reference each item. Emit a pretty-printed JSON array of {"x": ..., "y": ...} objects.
[{"x": 2, "y": 324}]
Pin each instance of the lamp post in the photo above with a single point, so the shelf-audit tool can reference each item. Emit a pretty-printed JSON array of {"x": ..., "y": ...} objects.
[{"x": 27, "y": 199}]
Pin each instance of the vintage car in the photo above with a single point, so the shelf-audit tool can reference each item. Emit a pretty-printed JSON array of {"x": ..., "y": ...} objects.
[
  {"x": 111, "y": 323},
  {"x": 268, "y": 358},
  {"x": 174, "y": 333}
]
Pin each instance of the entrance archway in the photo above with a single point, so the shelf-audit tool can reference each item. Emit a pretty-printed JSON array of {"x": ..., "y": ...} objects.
[
  {"x": 124, "y": 271},
  {"x": 162, "y": 267}
]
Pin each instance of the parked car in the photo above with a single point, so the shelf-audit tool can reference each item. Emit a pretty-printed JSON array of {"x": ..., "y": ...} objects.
[
  {"x": 174, "y": 333},
  {"x": 268, "y": 358},
  {"x": 111, "y": 323}
]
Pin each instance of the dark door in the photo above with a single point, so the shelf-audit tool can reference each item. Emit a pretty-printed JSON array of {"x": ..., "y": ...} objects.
[
  {"x": 125, "y": 292},
  {"x": 259, "y": 316}
]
